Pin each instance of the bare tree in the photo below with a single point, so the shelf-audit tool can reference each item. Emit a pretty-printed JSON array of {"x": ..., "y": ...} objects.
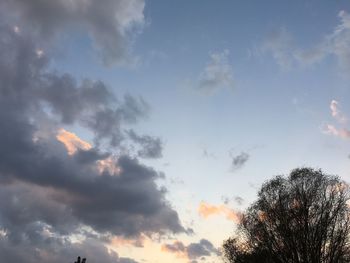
[{"x": 303, "y": 218}]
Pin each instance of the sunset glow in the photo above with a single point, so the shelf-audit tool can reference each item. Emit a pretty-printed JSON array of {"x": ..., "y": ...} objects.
[{"x": 141, "y": 131}]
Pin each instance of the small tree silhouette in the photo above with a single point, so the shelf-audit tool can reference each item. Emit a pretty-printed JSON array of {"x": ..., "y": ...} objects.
[{"x": 78, "y": 260}]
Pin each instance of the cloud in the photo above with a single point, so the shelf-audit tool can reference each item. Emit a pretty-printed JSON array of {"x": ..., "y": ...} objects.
[
  {"x": 208, "y": 154},
  {"x": 72, "y": 142},
  {"x": 339, "y": 117},
  {"x": 111, "y": 24},
  {"x": 26, "y": 239},
  {"x": 120, "y": 241},
  {"x": 237, "y": 199},
  {"x": 336, "y": 113},
  {"x": 332, "y": 130},
  {"x": 280, "y": 44},
  {"x": 50, "y": 197},
  {"x": 287, "y": 54},
  {"x": 205, "y": 210},
  {"x": 193, "y": 251},
  {"x": 240, "y": 160},
  {"x": 57, "y": 252},
  {"x": 217, "y": 74},
  {"x": 338, "y": 43},
  {"x": 151, "y": 147}
]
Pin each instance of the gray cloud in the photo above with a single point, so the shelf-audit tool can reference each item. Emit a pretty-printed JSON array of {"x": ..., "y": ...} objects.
[
  {"x": 193, "y": 251},
  {"x": 110, "y": 24},
  {"x": 203, "y": 248},
  {"x": 107, "y": 122},
  {"x": 217, "y": 74},
  {"x": 89, "y": 103},
  {"x": 237, "y": 199},
  {"x": 55, "y": 250},
  {"x": 46, "y": 195},
  {"x": 151, "y": 147},
  {"x": 208, "y": 154},
  {"x": 239, "y": 160}
]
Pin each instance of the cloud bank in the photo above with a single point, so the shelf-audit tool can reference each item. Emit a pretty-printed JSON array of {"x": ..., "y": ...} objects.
[{"x": 60, "y": 196}]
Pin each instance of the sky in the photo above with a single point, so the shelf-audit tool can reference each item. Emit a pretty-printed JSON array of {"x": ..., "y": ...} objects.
[{"x": 140, "y": 130}]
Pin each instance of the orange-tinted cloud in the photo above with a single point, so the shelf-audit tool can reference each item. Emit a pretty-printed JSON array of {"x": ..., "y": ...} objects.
[
  {"x": 341, "y": 118},
  {"x": 342, "y": 133},
  {"x": 120, "y": 241},
  {"x": 205, "y": 210},
  {"x": 110, "y": 165},
  {"x": 71, "y": 141}
]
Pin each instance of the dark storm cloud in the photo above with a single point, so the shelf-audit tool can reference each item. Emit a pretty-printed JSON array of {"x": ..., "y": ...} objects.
[
  {"x": 151, "y": 147},
  {"x": 239, "y": 161},
  {"x": 110, "y": 23},
  {"x": 46, "y": 194},
  {"x": 89, "y": 156},
  {"x": 193, "y": 251}
]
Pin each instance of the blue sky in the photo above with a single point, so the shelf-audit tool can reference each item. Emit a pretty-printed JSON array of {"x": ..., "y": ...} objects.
[{"x": 238, "y": 91}]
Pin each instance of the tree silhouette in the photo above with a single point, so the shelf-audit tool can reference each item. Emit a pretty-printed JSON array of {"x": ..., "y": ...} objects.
[
  {"x": 78, "y": 260},
  {"x": 303, "y": 218}
]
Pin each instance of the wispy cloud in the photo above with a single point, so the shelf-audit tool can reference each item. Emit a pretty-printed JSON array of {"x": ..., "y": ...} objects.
[
  {"x": 336, "y": 112},
  {"x": 341, "y": 118},
  {"x": 217, "y": 74},
  {"x": 342, "y": 133},
  {"x": 151, "y": 147},
  {"x": 280, "y": 44},
  {"x": 282, "y": 47},
  {"x": 206, "y": 210}
]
